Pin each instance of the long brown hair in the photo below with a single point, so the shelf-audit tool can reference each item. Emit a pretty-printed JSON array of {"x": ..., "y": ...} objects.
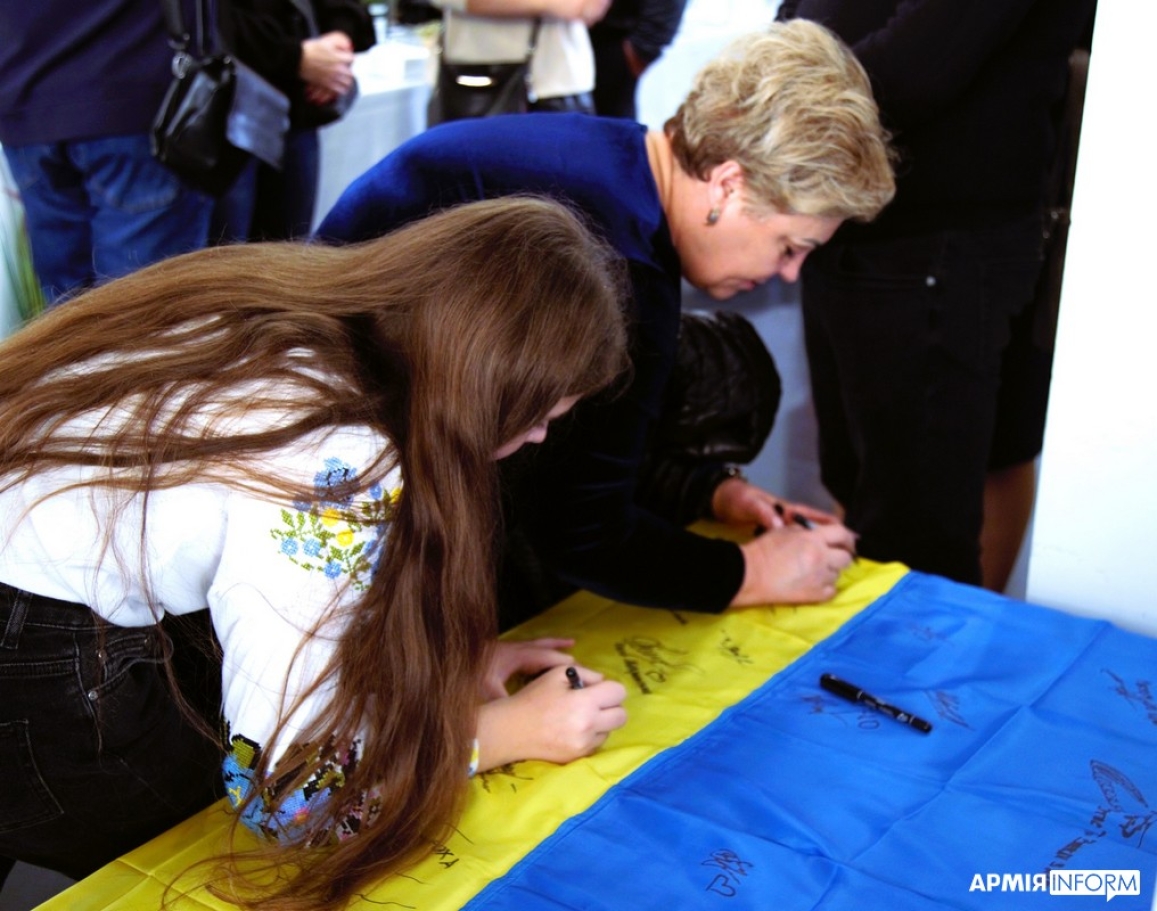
[{"x": 450, "y": 337}]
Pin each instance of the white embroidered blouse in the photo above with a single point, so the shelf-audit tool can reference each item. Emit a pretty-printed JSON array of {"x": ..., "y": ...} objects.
[{"x": 277, "y": 578}]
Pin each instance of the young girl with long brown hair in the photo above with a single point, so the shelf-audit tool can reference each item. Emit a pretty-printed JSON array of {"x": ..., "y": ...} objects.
[{"x": 302, "y": 439}]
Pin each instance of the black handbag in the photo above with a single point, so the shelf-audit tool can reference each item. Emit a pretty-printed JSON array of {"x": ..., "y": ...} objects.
[
  {"x": 484, "y": 89},
  {"x": 303, "y": 113},
  {"x": 217, "y": 111},
  {"x": 723, "y": 395},
  {"x": 719, "y": 406}
]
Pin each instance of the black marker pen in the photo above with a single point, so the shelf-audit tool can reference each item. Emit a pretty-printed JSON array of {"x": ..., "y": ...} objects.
[
  {"x": 801, "y": 521},
  {"x": 576, "y": 682},
  {"x": 853, "y": 693}
]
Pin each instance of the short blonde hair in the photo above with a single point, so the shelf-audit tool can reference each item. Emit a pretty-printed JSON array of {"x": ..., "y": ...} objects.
[{"x": 794, "y": 108}]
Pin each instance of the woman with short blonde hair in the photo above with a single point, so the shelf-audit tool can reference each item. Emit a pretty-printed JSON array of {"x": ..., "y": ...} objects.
[{"x": 794, "y": 108}]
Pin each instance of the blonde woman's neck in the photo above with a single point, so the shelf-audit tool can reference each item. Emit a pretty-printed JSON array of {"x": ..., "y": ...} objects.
[{"x": 662, "y": 164}]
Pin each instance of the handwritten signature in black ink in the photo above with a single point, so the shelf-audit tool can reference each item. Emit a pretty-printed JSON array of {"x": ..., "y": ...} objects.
[
  {"x": 493, "y": 776},
  {"x": 733, "y": 649},
  {"x": 733, "y": 870},
  {"x": 926, "y": 633},
  {"x": 866, "y": 719},
  {"x": 1142, "y": 697},
  {"x": 1124, "y": 809},
  {"x": 947, "y": 707},
  {"x": 649, "y": 661},
  {"x": 445, "y": 857}
]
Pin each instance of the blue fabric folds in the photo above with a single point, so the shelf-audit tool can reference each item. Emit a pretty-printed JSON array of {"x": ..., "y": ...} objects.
[{"x": 1043, "y": 756}]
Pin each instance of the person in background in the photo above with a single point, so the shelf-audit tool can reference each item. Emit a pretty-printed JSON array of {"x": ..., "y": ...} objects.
[
  {"x": 627, "y": 40},
  {"x": 929, "y": 379},
  {"x": 562, "y": 69},
  {"x": 304, "y": 439},
  {"x": 79, "y": 88},
  {"x": 777, "y": 143},
  {"x": 311, "y": 61}
]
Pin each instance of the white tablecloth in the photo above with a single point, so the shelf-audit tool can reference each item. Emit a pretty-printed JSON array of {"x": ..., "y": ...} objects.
[{"x": 394, "y": 87}]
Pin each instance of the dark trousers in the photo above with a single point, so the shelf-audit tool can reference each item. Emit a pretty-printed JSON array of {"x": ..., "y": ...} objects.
[
  {"x": 615, "y": 84},
  {"x": 95, "y": 756},
  {"x": 267, "y": 204},
  {"x": 582, "y": 103},
  {"x": 919, "y": 353}
]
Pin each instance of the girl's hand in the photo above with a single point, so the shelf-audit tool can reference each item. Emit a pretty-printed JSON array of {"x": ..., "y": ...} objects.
[
  {"x": 548, "y": 720},
  {"x": 531, "y": 657}
]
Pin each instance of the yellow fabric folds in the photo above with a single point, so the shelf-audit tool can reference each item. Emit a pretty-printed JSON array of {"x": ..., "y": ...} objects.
[{"x": 681, "y": 669}]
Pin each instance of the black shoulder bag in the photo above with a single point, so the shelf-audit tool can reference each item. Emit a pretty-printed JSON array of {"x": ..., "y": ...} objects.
[
  {"x": 724, "y": 391},
  {"x": 719, "y": 406},
  {"x": 484, "y": 89},
  {"x": 216, "y": 111}
]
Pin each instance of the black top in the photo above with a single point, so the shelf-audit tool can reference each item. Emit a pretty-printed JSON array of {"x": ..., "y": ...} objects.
[
  {"x": 970, "y": 91},
  {"x": 267, "y": 34},
  {"x": 648, "y": 24}
]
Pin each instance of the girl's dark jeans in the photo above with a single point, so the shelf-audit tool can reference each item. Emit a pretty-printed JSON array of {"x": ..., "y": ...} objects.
[{"x": 95, "y": 755}]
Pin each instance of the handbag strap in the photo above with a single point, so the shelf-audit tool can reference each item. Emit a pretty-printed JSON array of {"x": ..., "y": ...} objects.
[
  {"x": 533, "y": 39},
  {"x": 173, "y": 16}
]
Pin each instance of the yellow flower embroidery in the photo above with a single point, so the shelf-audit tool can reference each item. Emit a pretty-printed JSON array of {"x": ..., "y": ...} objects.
[{"x": 337, "y": 536}]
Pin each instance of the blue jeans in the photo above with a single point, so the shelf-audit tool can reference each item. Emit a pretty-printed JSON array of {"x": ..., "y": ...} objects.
[
  {"x": 95, "y": 757},
  {"x": 101, "y": 208}
]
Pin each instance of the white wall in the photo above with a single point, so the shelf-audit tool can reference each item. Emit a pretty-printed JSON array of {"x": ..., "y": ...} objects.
[
  {"x": 707, "y": 26},
  {"x": 1094, "y": 547}
]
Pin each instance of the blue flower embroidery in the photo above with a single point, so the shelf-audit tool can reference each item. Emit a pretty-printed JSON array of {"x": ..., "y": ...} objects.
[
  {"x": 288, "y": 817},
  {"x": 335, "y": 474},
  {"x": 338, "y": 533}
]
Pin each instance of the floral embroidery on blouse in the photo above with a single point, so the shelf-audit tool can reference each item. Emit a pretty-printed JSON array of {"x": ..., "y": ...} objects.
[
  {"x": 293, "y": 814},
  {"x": 330, "y": 534}
]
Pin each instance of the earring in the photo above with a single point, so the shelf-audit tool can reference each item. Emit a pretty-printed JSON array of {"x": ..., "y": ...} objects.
[{"x": 713, "y": 217}]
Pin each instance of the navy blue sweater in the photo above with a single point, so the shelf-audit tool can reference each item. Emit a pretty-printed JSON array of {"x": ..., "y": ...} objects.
[
  {"x": 72, "y": 70},
  {"x": 581, "y": 508}
]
